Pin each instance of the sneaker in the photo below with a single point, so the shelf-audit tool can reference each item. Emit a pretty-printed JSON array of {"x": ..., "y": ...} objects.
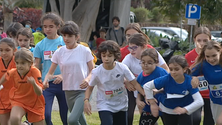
[{"x": 27, "y": 123}]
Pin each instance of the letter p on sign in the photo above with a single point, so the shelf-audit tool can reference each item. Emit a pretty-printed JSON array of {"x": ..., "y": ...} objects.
[{"x": 192, "y": 11}]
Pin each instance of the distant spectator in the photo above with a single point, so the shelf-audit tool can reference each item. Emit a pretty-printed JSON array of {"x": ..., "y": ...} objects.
[
  {"x": 102, "y": 33},
  {"x": 116, "y": 33},
  {"x": 2, "y": 34},
  {"x": 28, "y": 24},
  {"x": 13, "y": 29}
]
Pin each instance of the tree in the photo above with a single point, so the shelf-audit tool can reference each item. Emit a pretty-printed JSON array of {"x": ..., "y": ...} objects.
[
  {"x": 84, "y": 13},
  {"x": 10, "y": 5},
  {"x": 211, "y": 11}
]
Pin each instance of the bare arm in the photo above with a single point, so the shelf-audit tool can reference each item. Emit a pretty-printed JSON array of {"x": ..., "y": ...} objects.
[
  {"x": 85, "y": 82},
  {"x": 49, "y": 75},
  {"x": 138, "y": 87},
  {"x": 2, "y": 80},
  {"x": 165, "y": 67},
  {"x": 87, "y": 106},
  {"x": 37, "y": 63},
  {"x": 37, "y": 89}
]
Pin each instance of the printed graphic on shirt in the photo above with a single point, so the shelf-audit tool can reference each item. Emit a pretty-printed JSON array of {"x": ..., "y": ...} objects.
[
  {"x": 111, "y": 93},
  {"x": 203, "y": 83},
  {"x": 48, "y": 55},
  {"x": 183, "y": 93},
  {"x": 216, "y": 90}
]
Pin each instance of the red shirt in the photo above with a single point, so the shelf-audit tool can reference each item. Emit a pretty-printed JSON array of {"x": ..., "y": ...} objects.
[
  {"x": 124, "y": 51},
  {"x": 99, "y": 41},
  {"x": 191, "y": 56}
]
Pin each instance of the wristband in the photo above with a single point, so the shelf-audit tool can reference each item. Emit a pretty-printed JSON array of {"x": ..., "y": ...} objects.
[{"x": 86, "y": 99}]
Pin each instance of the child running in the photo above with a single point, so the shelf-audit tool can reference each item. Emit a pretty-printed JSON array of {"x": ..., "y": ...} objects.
[
  {"x": 209, "y": 64},
  {"x": 24, "y": 37},
  {"x": 180, "y": 99},
  {"x": 7, "y": 49},
  {"x": 43, "y": 53},
  {"x": 26, "y": 94},
  {"x": 149, "y": 62},
  {"x": 76, "y": 63},
  {"x": 201, "y": 36},
  {"x": 112, "y": 100}
]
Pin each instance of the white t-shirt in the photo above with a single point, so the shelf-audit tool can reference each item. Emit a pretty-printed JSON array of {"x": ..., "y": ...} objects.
[
  {"x": 111, "y": 93},
  {"x": 73, "y": 65},
  {"x": 134, "y": 63}
]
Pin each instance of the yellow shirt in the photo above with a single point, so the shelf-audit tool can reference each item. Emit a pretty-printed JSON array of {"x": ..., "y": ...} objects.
[{"x": 85, "y": 44}]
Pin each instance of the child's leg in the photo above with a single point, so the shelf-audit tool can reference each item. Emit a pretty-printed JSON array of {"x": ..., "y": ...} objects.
[
  {"x": 106, "y": 117},
  {"x": 219, "y": 119},
  {"x": 196, "y": 116},
  {"x": 131, "y": 107},
  {"x": 16, "y": 115},
  {"x": 75, "y": 102},
  {"x": 208, "y": 117},
  {"x": 63, "y": 109},
  {"x": 120, "y": 118},
  {"x": 185, "y": 119},
  {"x": 4, "y": 118},
  {"x": 216, "y": 111},
  {"x": 170, "y": 119},
  {"x": 49, "y": 95},
  {"x": 147, "y": 118}
]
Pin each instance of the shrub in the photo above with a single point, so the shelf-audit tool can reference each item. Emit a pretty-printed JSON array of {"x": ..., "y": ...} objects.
[
  {"x": 141, "y": 14},
  {"x": 157, "y": 16}
]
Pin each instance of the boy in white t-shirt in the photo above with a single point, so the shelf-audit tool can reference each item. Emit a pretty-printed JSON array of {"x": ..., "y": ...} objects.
[{"x": 112, "y": 100}]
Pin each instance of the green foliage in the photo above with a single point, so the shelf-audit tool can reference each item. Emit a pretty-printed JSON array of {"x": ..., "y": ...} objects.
[
  {"x": 141, "y": 14},
  {"x": 211, "y": 10},
  {"x": 132, "y": 9},
  {"x": 157, "y": 16},
  {"x": 30, "y": 4}
]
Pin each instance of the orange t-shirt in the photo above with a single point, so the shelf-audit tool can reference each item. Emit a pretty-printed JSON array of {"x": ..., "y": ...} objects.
[
  {"x": 23, "y": 94},
  {"x": 4, "y": 93}
]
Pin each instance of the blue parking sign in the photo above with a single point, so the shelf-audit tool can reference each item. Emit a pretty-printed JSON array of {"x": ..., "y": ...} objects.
[{"x": 192, "y": 11}]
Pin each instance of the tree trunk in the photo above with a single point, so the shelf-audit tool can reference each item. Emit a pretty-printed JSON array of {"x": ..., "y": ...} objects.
[
  {"x": 67, "y": 9},
  {"x": 53, "y": 6},
  {"x": 8, "y": 7},
  {"x": 85, "y": 15},
  {"x": 116, "y": 9}
]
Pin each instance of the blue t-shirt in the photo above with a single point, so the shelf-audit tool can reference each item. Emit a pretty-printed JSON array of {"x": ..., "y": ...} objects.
[
  {"x": 213, "y": 74},
  {"x": 175, "y": 94},
  {"x": 44, "y": 50},
  {"x": 141, "y": 79},
  {"x": 31, "y": 49}
]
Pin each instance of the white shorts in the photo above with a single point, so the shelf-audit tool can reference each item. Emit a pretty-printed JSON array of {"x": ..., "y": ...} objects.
[{"x": 216, "y": 110}]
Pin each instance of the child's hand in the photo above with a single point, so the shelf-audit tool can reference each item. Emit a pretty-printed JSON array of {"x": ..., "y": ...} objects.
[
  {"x": 31, "y": 80},
  {"x": 45, "y": 84},
  {"x": 129, "y": 86},
  {"x": 195, "y": 82},
  {"x": 140, "y": 104},
  {"x": 58, "y": 79},
  {"x": 85, "y": 84},
  {"x": 154, "y": 109},
  {"x": 180, "y": 110},
  {"x": 87, "y": 107}
]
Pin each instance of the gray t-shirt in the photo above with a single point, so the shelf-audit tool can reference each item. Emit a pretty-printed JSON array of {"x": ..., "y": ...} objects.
[{"x": 119, "y": 35}]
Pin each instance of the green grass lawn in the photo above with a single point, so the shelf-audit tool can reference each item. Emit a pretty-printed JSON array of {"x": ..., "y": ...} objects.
[{"x": 94, "y": 119}]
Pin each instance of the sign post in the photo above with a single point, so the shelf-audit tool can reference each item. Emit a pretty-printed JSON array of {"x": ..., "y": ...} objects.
[{"x": 193, "y": 12}]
